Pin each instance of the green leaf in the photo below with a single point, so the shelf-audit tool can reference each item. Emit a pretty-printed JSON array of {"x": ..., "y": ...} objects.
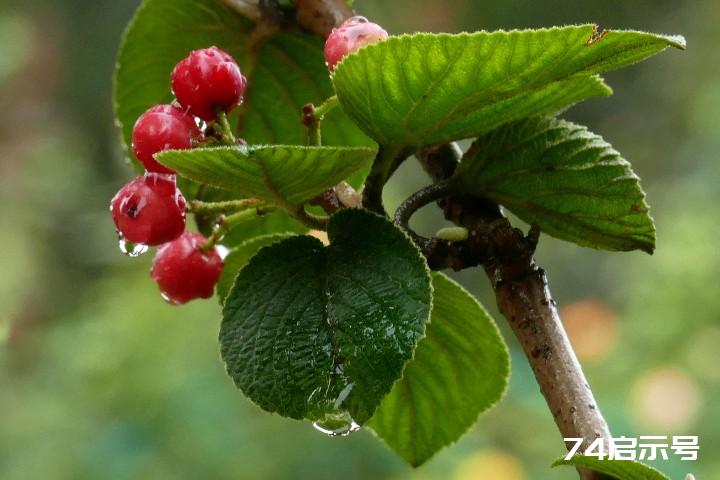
[
  {"x": 460, "y": 369},
  {"x": 311, "y": 332},
  {"x": 619, "y": 469},
  {"x": 280, "y": 174},
  {"x": 285, "y": 72},
  {"x": 240, "y": 256},
  {"x": 424, "y": 89},
  {"x": 568, "y": 181}
]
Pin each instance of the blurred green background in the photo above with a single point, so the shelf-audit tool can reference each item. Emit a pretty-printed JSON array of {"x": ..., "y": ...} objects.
[{"x": 100, "y": 379}]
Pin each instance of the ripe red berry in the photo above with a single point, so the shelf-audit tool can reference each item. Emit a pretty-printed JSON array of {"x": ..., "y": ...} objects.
[
  {"x": 150, "y": 210},
  {"x": 208, "y": 81},
  {"x": 184, "y": 272},
  {"x": 354, "y": 33},
  {"x": 163, "y": 127}
]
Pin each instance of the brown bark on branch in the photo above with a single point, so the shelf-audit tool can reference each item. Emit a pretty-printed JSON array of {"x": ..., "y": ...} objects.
[
  {"x": 321, "y": 16},
  {"x": 316, "y": 16},
  {"x": 523, "y": 297}
]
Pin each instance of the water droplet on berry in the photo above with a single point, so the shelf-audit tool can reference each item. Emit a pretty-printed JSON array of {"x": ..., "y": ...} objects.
[
  {"x": 131, "y": 249},
  {"x": 169, "y": 300},
  {"x": 222, "y": 250},
  {"x": 339, "y": 424}
]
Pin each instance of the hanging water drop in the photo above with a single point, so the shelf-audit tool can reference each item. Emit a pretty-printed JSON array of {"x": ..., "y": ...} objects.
[
  {"x": 131, "y": 249},
  {"x": 169, "y": 300},
  {"x": 339, "y": 424}
]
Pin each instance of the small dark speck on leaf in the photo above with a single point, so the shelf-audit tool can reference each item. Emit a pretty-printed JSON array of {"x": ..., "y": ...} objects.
[{"x": 596, "y": 35}]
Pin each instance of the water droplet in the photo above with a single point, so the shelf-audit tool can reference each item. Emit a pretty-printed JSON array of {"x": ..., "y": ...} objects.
[
  {"x": 131, "y": 249},
  {"x": 169, "y": 300},
  {"x": 339, "y": 424},
  {"x": 357, "y": 19},
  {"x": 222, "y": 250}
]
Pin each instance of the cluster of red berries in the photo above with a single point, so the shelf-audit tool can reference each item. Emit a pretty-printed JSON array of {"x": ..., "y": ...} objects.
[{"x": 150, "y": 210}]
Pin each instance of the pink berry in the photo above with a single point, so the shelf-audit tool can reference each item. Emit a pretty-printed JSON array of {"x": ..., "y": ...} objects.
[
  {"x": 150, "y": 210},
  {"x": 208, "y": 81},
  {"x": 184, "y": 272},
  {"x": 163, "y": 127},
  {"x": 354, "y": 33}
]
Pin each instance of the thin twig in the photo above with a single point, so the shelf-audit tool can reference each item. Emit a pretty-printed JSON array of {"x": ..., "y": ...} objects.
[
  {"x": 225, "y": 223},
  {"x": 415, "y": 202},
  {"x": 310, "y": 220}
]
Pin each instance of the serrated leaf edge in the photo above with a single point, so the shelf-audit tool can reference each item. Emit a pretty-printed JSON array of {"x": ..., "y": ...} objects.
[{"x": 506, "y": 376}]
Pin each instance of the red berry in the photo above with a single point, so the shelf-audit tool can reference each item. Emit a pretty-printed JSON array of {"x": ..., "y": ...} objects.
[
  {"x": 354, "y": 33},
  {"x": 183, "y": 271},
  {"x": 163, "y": 127},
  {"x": 208, "y": 81},
  {"x": 150, "y": 210}
]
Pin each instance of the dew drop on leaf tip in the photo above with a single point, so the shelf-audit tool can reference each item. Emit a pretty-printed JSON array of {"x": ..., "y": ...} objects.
[{"x": 337, "y": 425}]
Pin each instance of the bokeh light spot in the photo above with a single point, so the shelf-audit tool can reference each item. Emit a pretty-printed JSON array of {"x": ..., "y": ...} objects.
[
  {"x": 490, "y": 464},
  {"x": 666, "y": 399},
  {"x": 591, "y": 326}
]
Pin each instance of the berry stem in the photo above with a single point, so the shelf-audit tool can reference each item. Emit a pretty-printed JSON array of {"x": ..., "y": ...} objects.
[
  {"x": 314, "y": 134},
  {"x": 225, "y": 129},
  {"x": 325, "y": 107},
  {"x": 225, "y": 223},
  {"x": 198, "y": 206},
  {"x": 313, "y": 116},
  {"x": 311, "y": 220}
]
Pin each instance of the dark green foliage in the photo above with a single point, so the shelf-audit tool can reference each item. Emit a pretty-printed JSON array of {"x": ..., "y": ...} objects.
[{"x": 310, "y": 331}]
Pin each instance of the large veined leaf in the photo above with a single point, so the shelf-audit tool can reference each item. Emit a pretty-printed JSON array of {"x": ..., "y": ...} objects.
[
  {"x": 565, "y": 179},
  {"x": 315, "y": 332},
  {"x": 459, "y": 370},
  {"x": 423, "y": 89},
  {"x": 284, "y": 73},
  {"x": 240, "y": 256},
  {"x": 277, "y": 173},
  {"x": 619, "y": 469}
]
